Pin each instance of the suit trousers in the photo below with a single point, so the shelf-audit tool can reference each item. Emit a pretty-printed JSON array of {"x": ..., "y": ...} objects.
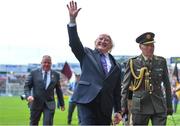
[
  {"x": 48, "y": 116},
  {"x": 143, "y": 119},
  {"x": 72, "y": 106},
  {"x": 91, "y": 113}
]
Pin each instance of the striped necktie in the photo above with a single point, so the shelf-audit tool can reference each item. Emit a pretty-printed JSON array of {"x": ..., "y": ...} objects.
[{"x": 104, "y": 63}]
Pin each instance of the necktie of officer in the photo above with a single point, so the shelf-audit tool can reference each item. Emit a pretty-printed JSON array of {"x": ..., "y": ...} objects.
[
  {"x": 104, "y": 63},
  {"x": 149, "y": 63},
  {"x": 45, "y": 79}
]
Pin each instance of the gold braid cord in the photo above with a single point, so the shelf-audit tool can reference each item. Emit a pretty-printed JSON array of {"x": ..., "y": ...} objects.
[{"x": 137, "y": 79}]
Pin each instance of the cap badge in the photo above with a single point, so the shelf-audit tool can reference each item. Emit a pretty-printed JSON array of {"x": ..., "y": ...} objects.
[{"x": 148, "y": 36}]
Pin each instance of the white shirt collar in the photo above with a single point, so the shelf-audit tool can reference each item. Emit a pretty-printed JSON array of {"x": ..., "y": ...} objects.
[
  {"x": 146, "y": 58},
  {"x": 106, "y": 54},
  {"x": 48, "y": 72}
]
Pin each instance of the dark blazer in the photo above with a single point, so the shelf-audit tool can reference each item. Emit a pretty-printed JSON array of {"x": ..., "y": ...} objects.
[
  {"x": 144, "y": 101},
  {"x": 93, "y": 80},
  {"x": 41, "y": 95}
]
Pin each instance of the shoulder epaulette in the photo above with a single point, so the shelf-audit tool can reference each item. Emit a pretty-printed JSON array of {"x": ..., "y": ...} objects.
[
  {"x": 134, "y": 57},
  {"x": 159, "y": 57}
]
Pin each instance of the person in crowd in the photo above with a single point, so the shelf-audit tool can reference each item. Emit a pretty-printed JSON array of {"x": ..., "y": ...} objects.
[
  {"x": 39, "y": 91},
  {"x": 72, "y": 105},
  {"x": 146, "y": 73},
  {"x": 99, "y": 90},
  {"x": 175, "y": 99}
]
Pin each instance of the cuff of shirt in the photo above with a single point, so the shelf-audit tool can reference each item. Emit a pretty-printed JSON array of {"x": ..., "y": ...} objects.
[{"x": 72, "y": 24}]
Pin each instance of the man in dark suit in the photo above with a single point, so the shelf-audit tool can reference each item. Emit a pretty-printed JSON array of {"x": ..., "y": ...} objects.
[
  {"x": 147, "y": 72},
  {"x": 98, "y": 90},
  {"x": 42, "y": 82}
]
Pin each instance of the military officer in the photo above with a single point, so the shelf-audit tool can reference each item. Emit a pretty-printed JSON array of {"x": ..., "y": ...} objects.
[{"x": 148, "y": 75}]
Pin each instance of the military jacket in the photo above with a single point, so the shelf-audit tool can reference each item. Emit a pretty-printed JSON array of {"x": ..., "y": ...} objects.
[{"x": 154, "y": 97}]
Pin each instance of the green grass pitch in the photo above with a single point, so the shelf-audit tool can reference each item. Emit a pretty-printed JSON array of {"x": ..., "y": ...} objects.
[{"x": 14, "y": 111}]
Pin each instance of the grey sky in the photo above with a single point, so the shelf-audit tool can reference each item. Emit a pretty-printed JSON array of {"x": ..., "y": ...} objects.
[{"x": 31, "y": 28}]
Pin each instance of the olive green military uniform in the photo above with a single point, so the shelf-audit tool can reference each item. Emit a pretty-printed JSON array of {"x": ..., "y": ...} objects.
[{"x": 150, "y": 99}]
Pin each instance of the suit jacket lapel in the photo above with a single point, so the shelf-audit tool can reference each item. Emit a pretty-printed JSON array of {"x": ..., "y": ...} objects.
[
  {"x": 142, "y": 61},
  {"x": 153, "y": 62},
  {"x": 52, "y": 78},
  {"x": 97, "y": 62},
  {"x": 114, "y": 65},
  {"x": 40, "y": 74}
]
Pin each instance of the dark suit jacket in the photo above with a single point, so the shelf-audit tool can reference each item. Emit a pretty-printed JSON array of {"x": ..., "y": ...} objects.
[
  {"x": 93, "y": 80},
  {"x": 41, "y": 95},
  {"x": 144, "y": 101}
]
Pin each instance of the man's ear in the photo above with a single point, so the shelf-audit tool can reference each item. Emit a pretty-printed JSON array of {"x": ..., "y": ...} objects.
[{"x": 140, "y": 46}]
